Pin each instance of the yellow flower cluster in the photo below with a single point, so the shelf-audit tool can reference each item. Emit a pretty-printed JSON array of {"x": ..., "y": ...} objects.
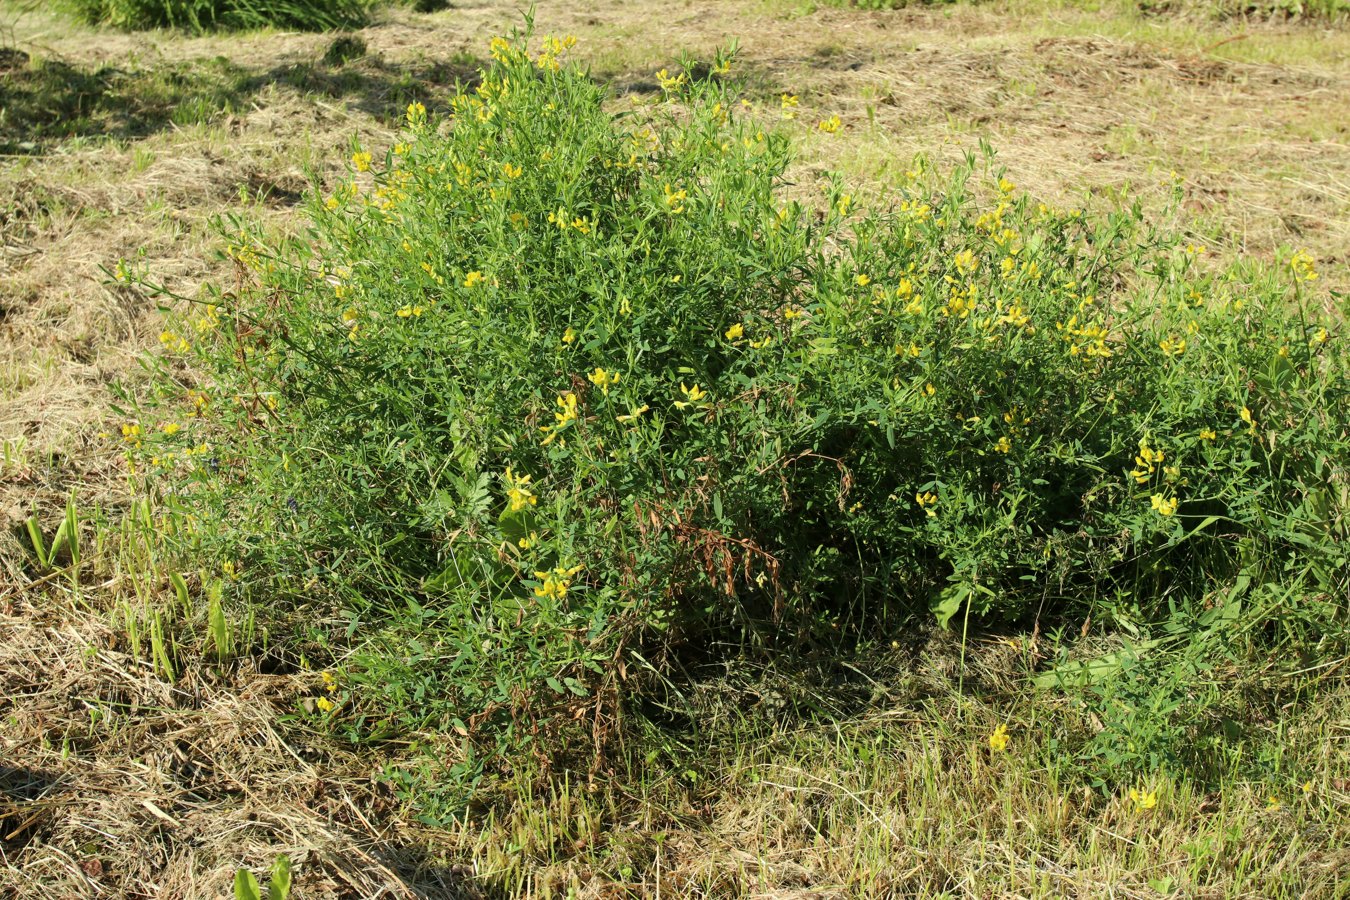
[
  {"x": 671, "y": 83},
  {"x": 1173, "y": 345},
  {"x": 675, "y": 200},
  {"x": 554, "y": 49},
  {"x": 1087, "y": 340},
  {"x": 1146, "y": 462},
  {"x": 173, "y": 341},
  {"x": 555, "y": 582},
  {"x": 1143, "y": 800},
  {"x": 998, "y": 741},
  {"x": 603, "y": 379},
  {"x": 567, "y": 404},
  {"x": 693, "y": 396},
  {"x": 518, "y": 493},
  {"x": 580, "y": 223},
  {"x": 927, "y": 500},
  {"x": 1164, "y": 506},
  {"x": 1302, "y": 264}
]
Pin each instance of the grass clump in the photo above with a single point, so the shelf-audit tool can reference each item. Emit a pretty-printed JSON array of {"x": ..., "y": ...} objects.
[
  {"x": 550, "y": 398},
  {"x": 209, "y": 15}
]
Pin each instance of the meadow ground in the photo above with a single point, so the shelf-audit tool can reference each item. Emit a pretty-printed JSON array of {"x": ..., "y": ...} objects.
[{"x": 118, "y": 782}]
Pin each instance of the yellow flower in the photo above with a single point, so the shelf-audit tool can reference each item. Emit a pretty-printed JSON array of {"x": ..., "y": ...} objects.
[
  {"x": 518, "y": 493},
  {"x": 927, "y": 500},
  {"x": 789, "y": 106},
  {"x": 1307, "y": 787},
  {"x": 862, "y": 280},
  {"x": 1207, "y": 434},
  {"x": 671, "y": 82},
  {"x": 511, "y": 171},
  {"x": 735, "y": 332},
  {"x": 998, "y": 741},
  {"x": 929, "y": 389},
  {"x": 324, "y": 704},
  {"x": 1004, "y": 445},
  {"x": 1166, "y": 506},
  {"x": 1319, "y": 337},
  {"x": 554, "y": 583},
  {"x": 633, "y": 415},
  {"x": 567, "y": 403},
  {"x": 409, "y": 311},
  {"x": 1146, "y": 462},
  {"x": 416, "y": 113},
  {"x": 1272, "y": 802},
  {"x": 1302, "y": 265},
  {"x": 602, "y": 379},
  {"x": 1246, "y": 416},
  {"x": 172, "y": 341},
  {"x": 570, "y": 335},
  {"x": 172, "y": 428},
  {"x": 761, "y": 343},
  {"x": 362, "y": 161},
  {"x": 1173, "y": 346},
  {"x": 1143, "y": 800},
  {"x": 965, "y": 262},
  {"x": 675, "y": 200},
  {"x": 473, "y": 279},
  {"x": 830, "y": 125},
  {"x": 692, "y": 396},
  {"x": 791, "y": 313},
  {"x": 329, "y": 682},
  {"x": 500, "y": 49}
]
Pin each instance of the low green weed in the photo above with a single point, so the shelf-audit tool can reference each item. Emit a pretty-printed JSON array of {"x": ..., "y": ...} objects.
[{"x": 552, "y": 397}]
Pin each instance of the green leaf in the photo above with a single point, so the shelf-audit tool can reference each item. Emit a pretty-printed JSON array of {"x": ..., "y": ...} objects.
[
  {"x": 280, "y": 886},
  {"x": 246, "y": 886}
]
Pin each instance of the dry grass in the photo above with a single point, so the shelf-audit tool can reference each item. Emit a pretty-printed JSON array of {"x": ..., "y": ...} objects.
[{"x": 118, "y": 783}]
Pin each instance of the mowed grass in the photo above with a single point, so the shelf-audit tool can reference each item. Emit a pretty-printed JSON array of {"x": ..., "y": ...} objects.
[{"x": 120, "y": 779}]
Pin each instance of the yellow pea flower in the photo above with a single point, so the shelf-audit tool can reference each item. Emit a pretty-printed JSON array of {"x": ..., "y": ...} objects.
[
  {"x": 1143, "y": 800},
  {"x": 998, "y": 741}
]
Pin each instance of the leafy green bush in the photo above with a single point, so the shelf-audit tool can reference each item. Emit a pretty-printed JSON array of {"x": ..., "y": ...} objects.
[
  {"x": 551, "y": 394},
  {"x": 206, "y": 15}
]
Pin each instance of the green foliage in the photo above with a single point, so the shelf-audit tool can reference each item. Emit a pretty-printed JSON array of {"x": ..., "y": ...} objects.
[
  {"x": 246, "y": 887},
  {"x": 551, "y": 396},
  {"x": 207, "y": 15}
]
